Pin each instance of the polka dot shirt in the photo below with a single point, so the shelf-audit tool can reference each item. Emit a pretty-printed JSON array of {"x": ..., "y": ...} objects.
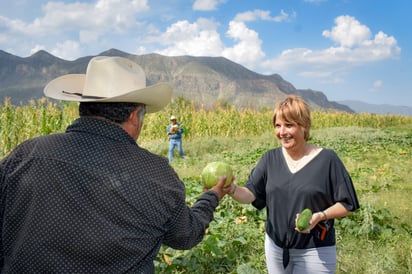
[{"x": 90, "y": 200}]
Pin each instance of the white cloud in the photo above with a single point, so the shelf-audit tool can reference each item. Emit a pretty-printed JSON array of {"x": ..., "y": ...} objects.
[
  {"x": 185, "y": 38},
  {"x": 262, "y": 15},
  {"x": 354, "y": 46},
  {"x": 206, "y": 5},
  {"x": 103, "y": 14},
  {"x": 89, "y": 21},
  {"x": 348, "y": 32},
  {"x": 68, "y": 50},
  {"x": 248, "y": 49},
  {"x": 201, "y": 38},
  {"x": 88, "y": 36}
]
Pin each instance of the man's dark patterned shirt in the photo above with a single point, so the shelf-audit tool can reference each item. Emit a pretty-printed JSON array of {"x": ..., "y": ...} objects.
[{"x": 90, "y": 200}]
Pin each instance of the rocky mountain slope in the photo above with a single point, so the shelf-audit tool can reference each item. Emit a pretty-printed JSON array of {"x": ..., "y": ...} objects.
[{"x": 205, "y": 80}]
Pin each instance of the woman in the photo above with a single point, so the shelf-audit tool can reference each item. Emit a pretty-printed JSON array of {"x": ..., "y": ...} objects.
[{"x": 293, "y": 177}]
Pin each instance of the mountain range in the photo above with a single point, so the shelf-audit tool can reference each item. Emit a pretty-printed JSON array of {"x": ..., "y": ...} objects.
[
  {"x": 362, "y": 107},
  {"x": 203, "y": 80}
]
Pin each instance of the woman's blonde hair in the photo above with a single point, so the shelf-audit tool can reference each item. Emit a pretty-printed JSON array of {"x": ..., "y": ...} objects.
[{"x": 294, "y": 109}]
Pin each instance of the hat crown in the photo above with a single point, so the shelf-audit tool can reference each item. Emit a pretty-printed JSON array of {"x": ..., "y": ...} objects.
[
  {"x": 110, "y": 79},
  {"x": 112, "y": 76}
]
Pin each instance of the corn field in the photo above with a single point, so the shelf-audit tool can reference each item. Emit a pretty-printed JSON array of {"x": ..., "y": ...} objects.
[{"x": 41, "y": 117}]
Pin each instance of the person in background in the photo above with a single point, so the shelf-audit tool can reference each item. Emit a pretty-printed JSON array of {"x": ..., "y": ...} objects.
[
  {"x": 174, "y": 130},
  {"x": 290, "y": 178},
  {"x": 91, "y": 200}
]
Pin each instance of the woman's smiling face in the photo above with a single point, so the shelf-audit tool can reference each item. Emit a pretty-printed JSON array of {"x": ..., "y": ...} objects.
[
  {"x": 290, "y": 134},
  {"x": 291, "y": 120}
]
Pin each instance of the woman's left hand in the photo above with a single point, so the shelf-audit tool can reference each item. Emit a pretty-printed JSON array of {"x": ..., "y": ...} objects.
[{"x": 316, "y": 218}]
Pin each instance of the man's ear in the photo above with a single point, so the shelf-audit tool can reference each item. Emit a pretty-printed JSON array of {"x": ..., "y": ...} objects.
[
  {"x": 132, "y": 126},
  {"x": 134, "y": 117}
]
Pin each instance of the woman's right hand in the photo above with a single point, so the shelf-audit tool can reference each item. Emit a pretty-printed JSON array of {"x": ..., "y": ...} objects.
[{"x": 220, "y": 188}]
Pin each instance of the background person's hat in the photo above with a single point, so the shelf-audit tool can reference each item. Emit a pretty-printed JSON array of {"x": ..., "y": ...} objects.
[
  {"x": 173, "y": 118},
  {"x": 110, "y": 79}
]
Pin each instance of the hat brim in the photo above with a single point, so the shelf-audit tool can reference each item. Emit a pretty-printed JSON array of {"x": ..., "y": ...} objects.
[{"x": 70, "y": 87}]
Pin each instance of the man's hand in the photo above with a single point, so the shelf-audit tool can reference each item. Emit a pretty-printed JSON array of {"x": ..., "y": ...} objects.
[{"x": 220, "y": 188}]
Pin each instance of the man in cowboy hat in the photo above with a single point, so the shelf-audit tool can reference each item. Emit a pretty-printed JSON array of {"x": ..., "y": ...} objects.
[
  {"x": 90, "y": 200},
  {"x": 174, "y": 130}
]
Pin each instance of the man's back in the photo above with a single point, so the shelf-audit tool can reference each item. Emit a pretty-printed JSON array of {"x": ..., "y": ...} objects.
[{"x": 89, "y": 200}]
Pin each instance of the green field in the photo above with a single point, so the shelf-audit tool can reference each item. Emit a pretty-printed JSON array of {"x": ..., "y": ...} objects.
[{"x": 376, "y": 149}]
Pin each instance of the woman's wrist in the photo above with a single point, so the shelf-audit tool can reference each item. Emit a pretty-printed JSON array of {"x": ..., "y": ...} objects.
[{"x": 325, "y": 216}]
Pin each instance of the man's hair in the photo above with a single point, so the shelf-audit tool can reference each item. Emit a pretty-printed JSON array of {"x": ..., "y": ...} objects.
[{"x": 115, "y": 112}]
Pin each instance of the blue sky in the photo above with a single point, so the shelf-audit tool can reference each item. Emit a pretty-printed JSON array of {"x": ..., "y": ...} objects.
[{"x": 348, "y": 49}]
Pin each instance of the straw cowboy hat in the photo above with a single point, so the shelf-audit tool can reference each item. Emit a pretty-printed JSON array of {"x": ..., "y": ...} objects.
[{"x": 110, "y": 79}]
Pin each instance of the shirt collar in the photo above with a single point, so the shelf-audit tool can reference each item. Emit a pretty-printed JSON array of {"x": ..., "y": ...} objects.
[{"x": 100, "y": 127}]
